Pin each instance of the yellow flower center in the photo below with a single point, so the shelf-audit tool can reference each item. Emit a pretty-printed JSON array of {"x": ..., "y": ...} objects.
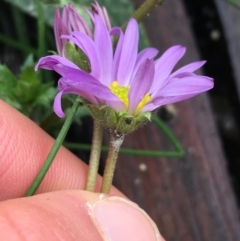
[{"x": 122, "y": 93}]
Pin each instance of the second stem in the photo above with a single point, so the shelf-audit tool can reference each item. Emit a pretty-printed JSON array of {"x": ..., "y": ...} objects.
[{"x": 116, "y": 141}]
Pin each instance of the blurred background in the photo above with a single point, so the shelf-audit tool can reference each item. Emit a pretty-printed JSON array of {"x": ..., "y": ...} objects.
[{"x": 195, "y": 197}]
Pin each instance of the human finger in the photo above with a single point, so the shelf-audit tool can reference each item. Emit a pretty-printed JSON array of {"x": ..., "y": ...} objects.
[
  {"x": 23, "y": 148},
  {"x": 75, "y": 215}
]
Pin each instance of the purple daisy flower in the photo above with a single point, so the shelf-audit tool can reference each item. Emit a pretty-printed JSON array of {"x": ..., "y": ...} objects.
[{"x": 124, "y": 79}]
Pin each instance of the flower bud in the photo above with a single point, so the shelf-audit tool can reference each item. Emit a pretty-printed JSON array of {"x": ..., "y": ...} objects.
[{"x": 77, "y": 56}]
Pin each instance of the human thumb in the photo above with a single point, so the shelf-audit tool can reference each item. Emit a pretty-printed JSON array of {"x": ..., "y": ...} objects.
[{"x": 73, "y": 216}]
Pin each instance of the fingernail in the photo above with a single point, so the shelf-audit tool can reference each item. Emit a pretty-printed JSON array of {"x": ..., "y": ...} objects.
[{"x": 118, "y": 219}]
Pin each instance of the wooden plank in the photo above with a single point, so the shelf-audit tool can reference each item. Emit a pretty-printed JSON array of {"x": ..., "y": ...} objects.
[{"x": 190, "y": 198}]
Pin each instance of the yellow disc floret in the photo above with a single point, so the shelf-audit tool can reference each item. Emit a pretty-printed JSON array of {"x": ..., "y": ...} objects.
[
  {"x": 122, "y": 93},
  {"x": 143, "y": 102}
]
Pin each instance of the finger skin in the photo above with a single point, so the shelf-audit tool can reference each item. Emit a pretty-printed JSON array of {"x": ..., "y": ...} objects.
[
  {"x": 50, "y": 216},
  {"x": 68, "y": 215},
  {"x": 23, "y": 149}
]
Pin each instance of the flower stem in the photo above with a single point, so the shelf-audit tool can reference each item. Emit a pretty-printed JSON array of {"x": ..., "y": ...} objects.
[
  {"x": 235, "y": 3},
  {"x": 41, "y": 30},
  {"x": 17, "y": 44},
  {"x": 116, "y": 141},
  {"x": 144, "y": 10},
  {"x": 95, "y": 156},
  {"x": 54, "y": 150}
]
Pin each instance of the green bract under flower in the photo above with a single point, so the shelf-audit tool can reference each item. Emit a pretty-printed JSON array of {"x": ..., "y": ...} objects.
[{"x": 121, "y": 122}]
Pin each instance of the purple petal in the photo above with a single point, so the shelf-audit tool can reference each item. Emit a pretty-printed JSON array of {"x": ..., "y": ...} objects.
[
  {"x": 148, "y": 53},
  {"x": 90, "y": 14},
  {"x": 185, "y": 86},
  {"x": 117, "y": 105},
  {"x": 103, "y": 43},
  {"x": 128, "y": 53},
  {"x": 178, "y": 90},
  {"x": 165, "y": 64},
  {"x": 160, "y": 101},
  {"x": 116, "y": 59},
  {"x": 66, "y": 88},
  {"x": 83, "y": 81},
  {"x": 188, "y": 68},
  {"x": 173, "y": 99},
  {"x": 50, "y": 61},
  {"x": 141, "y": 84},
  {"x": 106, "y": 17},
  {"x": 59, "y": 29},
  {"x": 96, "y": 8},
  {"x": 179, "y": 76},
  {"x": 57, "y": 105},
  {"x": 88, "y": 46},
  {"x": 149, "y": 107},
  {"x": 76, "y": 22},
  {"x": 65, "y": 17},
  {"x": 63, "y": 84}
]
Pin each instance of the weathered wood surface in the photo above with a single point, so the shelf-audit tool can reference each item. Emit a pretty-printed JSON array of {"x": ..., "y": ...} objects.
[
  {"x": 230, "y": 17},
  {"x": 190, "y": 199}
]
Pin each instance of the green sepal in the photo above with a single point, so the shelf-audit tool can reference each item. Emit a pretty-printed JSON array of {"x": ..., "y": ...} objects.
[
  {"x": 104, "y": 114},
  {"x": 77, "y": 56},
  {"x": 128, "y": 123},
  {"x": 122, "y": 122}
]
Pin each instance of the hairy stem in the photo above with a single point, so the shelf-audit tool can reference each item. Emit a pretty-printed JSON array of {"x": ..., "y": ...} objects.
[
  {"x": 116, "y": 140},
  {"x": 95, "y": 156},
  {"x": 144, "y": 10}
]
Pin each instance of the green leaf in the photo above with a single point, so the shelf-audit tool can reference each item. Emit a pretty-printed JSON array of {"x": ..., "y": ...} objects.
[
  {"x": 8, "y": 83},
  {"x": 7, "y": 78},
  {"x": 26, "y": 91},
  {"x": 30, "y": 7},
  {"x": 27, "y": 84},
  {"x": 29, "y": 61},
  {"x": 45, "y": 95}
]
